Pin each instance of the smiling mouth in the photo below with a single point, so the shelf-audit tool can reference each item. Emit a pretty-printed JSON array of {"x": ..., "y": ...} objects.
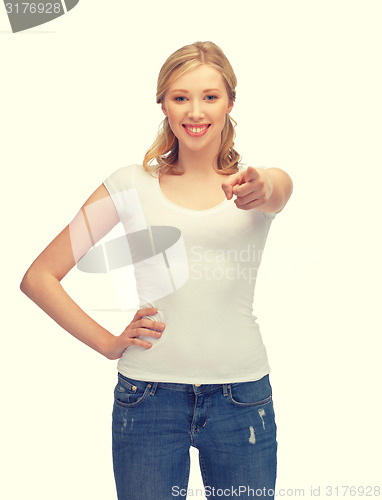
[{"x": 196, "y": 130}]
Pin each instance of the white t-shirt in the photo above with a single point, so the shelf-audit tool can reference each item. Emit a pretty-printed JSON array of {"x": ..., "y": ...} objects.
[{"x": 199, "y": 269}]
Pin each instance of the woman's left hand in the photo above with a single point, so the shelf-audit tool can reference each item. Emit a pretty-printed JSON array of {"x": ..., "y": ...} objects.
[{"x": 253, "y": 187}]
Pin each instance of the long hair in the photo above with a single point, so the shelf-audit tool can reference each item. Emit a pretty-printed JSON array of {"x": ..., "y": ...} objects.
[{"x": 165, "y": 147}]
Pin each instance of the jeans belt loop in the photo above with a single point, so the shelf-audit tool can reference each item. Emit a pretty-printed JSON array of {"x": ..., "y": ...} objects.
[{"x": 154, "y": 388}]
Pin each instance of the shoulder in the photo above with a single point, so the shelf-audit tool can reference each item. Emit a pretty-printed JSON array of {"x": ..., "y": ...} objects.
[{"x": 122, "y": 178}]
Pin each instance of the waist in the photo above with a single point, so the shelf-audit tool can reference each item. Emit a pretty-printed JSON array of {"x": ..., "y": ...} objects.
[{"x": 191, "y": 388}]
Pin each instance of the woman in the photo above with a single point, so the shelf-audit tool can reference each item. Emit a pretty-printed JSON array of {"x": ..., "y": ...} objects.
[{"x": 192, "y": 368}]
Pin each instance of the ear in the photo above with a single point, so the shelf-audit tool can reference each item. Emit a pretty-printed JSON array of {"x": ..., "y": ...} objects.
[
  {"x": 164, "y": 108},
  {"x": 229, "y": 107}
]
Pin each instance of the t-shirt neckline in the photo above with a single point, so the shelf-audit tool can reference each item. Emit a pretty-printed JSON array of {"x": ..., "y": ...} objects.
[{"x": 185, "y": 209}]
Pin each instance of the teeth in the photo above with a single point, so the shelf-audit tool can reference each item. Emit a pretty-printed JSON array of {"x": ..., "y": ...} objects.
[{"x": 196, "y": 130}]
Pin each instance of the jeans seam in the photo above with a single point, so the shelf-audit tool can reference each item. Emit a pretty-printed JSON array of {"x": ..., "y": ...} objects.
[
  {"x": 136, "y": 403},
  {"x": 203, "y": 469},
  {"x": 187, "y": 478},
  {"x": 257, "y": 403}
]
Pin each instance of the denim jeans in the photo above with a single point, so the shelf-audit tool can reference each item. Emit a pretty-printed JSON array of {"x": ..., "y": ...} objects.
[{"x": 232, "y": 425}]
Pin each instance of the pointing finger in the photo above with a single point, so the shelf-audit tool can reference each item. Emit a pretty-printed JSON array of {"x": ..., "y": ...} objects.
[
  {"x": 227, "y": 186},
  {"x": 251, "y": 174}
]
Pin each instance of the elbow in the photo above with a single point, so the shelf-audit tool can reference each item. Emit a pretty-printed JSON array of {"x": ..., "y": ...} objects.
[
  {"x": 25, "y": 284},
  {"x": 288, "y": 188},
  {"x": 34, "y": 281},
  {"x": 30, "y": 280}
]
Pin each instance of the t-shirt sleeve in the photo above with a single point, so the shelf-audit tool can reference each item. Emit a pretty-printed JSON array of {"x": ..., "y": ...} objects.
[
  {"x": 117, "y": 184},
  {"x": 122, "y": 188},
  {"x": 269, "y": 216}
]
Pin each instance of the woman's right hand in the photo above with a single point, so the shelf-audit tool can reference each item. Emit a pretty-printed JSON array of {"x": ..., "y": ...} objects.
[{"x": 138, "y": 326}]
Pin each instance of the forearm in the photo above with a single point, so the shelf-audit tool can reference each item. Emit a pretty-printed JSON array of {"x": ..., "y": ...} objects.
[
  {"x": 282, "y": 187},
  {"x": 47, "y": 292}
]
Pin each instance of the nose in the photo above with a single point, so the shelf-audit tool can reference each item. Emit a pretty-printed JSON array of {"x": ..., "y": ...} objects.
[{"x": 195, "y": 111}]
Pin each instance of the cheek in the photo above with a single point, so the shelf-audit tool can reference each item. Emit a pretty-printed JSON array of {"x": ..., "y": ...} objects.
[
  {"x": 174, "y": 125},
  {"x": 220, "y": 119},
  {"x": 173, "y": 117},
  {"x": 220, "y": 114}
]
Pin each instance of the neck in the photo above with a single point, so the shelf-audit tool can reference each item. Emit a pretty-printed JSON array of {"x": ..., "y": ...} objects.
[{"x": 197, "y": 163}]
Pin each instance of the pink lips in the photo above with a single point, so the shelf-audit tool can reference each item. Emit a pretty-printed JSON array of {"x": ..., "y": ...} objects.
[{"x": 197, "y": 134}]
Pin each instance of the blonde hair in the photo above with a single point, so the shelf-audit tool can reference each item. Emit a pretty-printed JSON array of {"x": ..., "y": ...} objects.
[{"x": 165, "y": 147}]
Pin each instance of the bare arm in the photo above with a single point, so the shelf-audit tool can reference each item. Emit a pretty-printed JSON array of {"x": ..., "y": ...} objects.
[
  {"x": 41, "y": 282},
  {"x": 282, "y": 187}
]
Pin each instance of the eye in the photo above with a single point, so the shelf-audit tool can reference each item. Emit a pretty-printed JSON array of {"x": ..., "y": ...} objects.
[
  {"x": 213, "y": 97},
  {"x": 178, "y": 98}
]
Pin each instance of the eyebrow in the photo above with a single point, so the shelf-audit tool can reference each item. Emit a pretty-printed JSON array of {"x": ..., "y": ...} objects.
[{"x": 186, "y": 91}]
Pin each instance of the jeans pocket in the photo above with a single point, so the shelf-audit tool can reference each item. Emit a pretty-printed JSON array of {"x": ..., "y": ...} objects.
[
  {"x": 254, "y": 393},
  {"x": 129, "y": 392}
]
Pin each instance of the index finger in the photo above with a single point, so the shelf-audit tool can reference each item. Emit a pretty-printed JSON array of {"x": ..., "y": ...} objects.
[
  {"x": 145, "y": 312},
  {"x": 251, "y": 174},
  {"x": 227, "y": 186}
]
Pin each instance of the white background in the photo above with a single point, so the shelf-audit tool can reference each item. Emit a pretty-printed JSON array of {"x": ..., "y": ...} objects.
[{"x": 78, "y": 102}]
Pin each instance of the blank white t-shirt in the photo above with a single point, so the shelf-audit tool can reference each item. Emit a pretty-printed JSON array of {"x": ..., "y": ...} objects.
[{"x": 199, "y": 269}]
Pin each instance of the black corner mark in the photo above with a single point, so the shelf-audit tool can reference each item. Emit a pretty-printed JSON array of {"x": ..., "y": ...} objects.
[{"x": 25, "y": 15}]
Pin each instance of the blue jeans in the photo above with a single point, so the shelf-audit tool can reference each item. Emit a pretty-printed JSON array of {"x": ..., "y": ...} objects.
[{"x": 232, "y": 425}]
